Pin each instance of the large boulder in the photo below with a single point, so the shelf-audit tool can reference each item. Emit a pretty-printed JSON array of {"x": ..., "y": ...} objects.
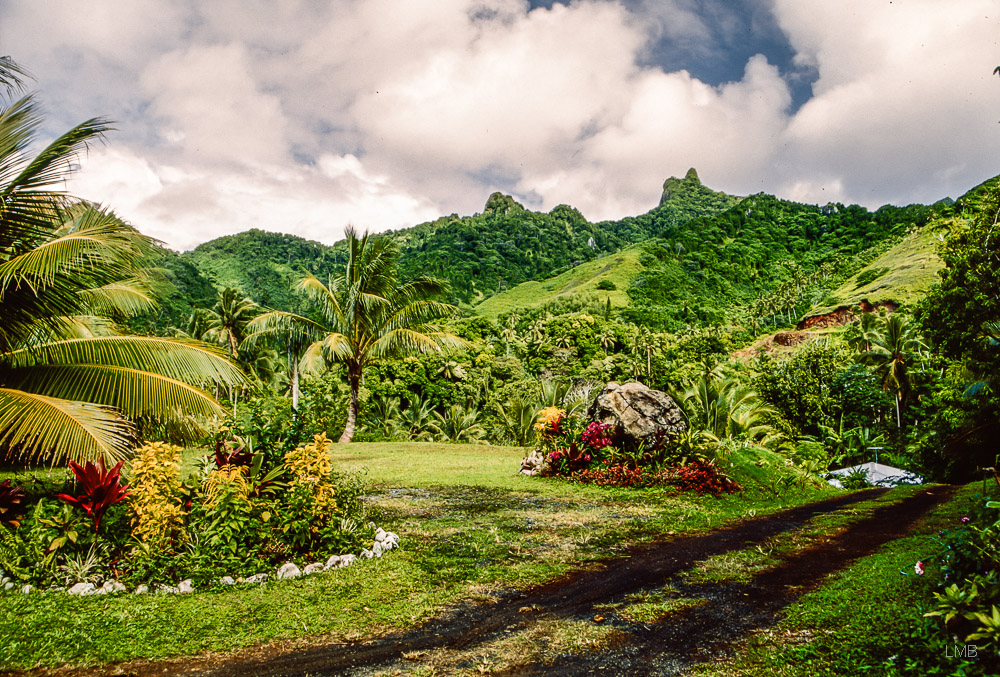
[{"x": 637, "y": 414}]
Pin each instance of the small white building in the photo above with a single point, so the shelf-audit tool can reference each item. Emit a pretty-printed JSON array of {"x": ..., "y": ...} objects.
[{"x": 878, "y": 475}]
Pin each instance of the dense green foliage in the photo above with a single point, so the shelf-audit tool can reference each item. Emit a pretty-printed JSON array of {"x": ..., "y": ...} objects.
[{"x": 759, "y": 260}]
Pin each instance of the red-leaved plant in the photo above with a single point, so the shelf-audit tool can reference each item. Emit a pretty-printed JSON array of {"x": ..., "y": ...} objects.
[
  {"x": 11, "y": 503},
  {"x": 100, "y": 489},
  {"x": 230, "y": 452}
]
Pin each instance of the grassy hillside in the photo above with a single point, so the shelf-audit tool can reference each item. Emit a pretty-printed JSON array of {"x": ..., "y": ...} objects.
[
  {"x": 902, "y": 274},
  {"x": 580, "y": 282}
]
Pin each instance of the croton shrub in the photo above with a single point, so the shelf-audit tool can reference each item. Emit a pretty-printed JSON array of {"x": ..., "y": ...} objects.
[{"x": 143, "y": 521}]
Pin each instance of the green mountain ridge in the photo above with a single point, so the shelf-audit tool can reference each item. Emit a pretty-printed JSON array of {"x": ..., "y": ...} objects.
[{"x": 700, "y": 256}]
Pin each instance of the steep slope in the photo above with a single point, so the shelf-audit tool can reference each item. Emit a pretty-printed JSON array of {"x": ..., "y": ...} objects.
[
  {"x": 506, "y": 244},
  {"x": 595, "y": 283},
  {"x": 900, "y": 276},
  {"x": 763, "y": 257}
]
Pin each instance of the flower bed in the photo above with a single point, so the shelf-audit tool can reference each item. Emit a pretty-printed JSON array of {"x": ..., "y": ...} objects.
[
  {"x": 583, "y": 452},
  {"x": 139, "y": 524}
]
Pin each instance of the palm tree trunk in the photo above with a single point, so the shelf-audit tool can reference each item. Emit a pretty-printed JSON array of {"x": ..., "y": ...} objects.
[
  {"x": 354, "y": 377},
  {"x": 295, "y": 386},
  {"x": 899, "y": 420}
]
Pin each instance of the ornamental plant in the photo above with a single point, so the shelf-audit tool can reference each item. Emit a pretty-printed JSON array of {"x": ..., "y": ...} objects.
[
  {"x": 156, "y": 490},
  {"x": 11, "y": 503},
  {"x": 309, "y": 467},
  {"x": 100, "y": 489}
]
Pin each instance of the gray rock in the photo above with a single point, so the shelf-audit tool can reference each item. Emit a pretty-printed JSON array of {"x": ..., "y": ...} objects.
[
  {"x": 379, "y": 534},
  {"x": 637, "y": 414},
  {"x": 348, "y": 559},
  {"x": 533, "y": 464},
  {"x": 377, "y": 549},
  {"x": 26, "y": 590},
  {"x": 288, "y": 570},
  {"x": 185, "y": 587},
  {"x": 366, "y": 553},
  {"x": 9, "y": 585},
  {"x": 110, "y": 587},
  {"x": 391, "y": 539},
  {"x": 167, "y": 590},
  {"x": 227, "y": 580},
  {"x": 142, "y": 590},
  {"x": 314, "y": 568},
  {"x": 257, "y": 578},
  {"x": 82, "y": 589},
  {"x": 333, "y": 563},
  {"x": 4, "y": 581}
]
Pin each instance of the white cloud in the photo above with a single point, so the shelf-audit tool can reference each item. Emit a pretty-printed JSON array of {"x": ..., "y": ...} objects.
[{"x": 302, "y": 116}]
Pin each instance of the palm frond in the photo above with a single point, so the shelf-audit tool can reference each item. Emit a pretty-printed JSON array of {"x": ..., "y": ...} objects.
[
  {"x": 180, "y": 359},
  {"x": 128, "y": 298},
  {"x": 34, "y": 426},
  {"x": 136, "y": 393}
]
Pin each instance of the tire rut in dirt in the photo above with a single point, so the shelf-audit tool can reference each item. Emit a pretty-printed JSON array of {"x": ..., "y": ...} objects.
[
  {"x": 645, "y": 567},
  {"x": 708, "y": 631}
]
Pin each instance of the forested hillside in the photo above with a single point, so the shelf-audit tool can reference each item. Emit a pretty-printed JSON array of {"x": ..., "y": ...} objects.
[
  {"x": 706, "y": 258},
  {"x": 478, "y": 255},
  {"x": 763, "y": 257}
]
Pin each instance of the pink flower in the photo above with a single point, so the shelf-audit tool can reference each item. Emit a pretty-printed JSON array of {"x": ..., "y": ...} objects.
[
  {"x": 965, "y": 520},
  {"x": 919, "y": 568}
]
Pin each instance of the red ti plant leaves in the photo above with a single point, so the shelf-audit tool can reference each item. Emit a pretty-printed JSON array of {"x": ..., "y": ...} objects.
[
  {"x": 228, "y": 453},
  {"x": 100, "y": 489},
  {"x": 11, "y": 503}
]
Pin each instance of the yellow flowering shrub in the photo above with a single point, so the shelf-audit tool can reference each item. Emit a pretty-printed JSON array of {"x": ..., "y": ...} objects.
[
  {"x": 154, "y": 487},
  {"x": 309, "y": 466}
]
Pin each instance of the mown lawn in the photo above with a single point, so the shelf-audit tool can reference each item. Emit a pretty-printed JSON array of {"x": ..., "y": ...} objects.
[{"x": 470, "y": 525}]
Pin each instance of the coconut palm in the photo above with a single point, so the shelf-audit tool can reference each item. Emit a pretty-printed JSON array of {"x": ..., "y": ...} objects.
[
  {"x": 70, "y": 385},
  {"x": 228, "y": 319},
  {"x": 367, "y": 315},
  {"x": 893, "y": 348}
]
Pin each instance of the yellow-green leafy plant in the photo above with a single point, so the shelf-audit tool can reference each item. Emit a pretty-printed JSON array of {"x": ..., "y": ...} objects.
[
  {"x": 229, "y": 480},
  {"x": 155, "y": 488},
  {"x": 309, "y": 466}
]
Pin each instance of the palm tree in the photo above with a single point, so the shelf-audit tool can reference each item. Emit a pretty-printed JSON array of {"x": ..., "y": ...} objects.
[
  {"x": 228, "y": 319},
  {"x": 367, "y": 315},
  {"x": 70, "y": 385},
  {"x": 509, "y": 333},
  {"x": 892, "y": 349},
  {"x": 727, "y": 409},
  {"x": 457, "y": 424}
]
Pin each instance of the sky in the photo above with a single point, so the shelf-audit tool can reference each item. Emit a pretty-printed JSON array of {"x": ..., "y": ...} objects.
[{"x": 303, "y": 116}]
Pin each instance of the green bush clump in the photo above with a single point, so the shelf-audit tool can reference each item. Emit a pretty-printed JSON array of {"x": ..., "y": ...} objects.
[{"x": 236, "y": 517}]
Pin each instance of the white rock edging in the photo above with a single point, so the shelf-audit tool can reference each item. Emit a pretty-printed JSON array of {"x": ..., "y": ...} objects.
[{"x": 383, "y": 543}]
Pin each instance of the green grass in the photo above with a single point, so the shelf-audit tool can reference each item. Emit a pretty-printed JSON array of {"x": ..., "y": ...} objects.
[
  {"x": 580, "y": 281},
  {"x": 911, "y": 269},
  {"x": 469, "y": 525}
]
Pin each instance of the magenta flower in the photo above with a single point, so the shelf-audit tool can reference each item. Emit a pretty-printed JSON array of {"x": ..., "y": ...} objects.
[{"x": 965, "y": 520}]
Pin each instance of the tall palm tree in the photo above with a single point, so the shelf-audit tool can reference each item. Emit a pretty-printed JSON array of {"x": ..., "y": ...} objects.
[
  {"x": 892, "y": 349},
  {"x": 367, "y": 315},
  {"x": 228, "y": 319}
]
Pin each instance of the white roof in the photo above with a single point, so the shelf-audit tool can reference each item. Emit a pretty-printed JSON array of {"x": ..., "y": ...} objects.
[{"x": 878, "y": 474}]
